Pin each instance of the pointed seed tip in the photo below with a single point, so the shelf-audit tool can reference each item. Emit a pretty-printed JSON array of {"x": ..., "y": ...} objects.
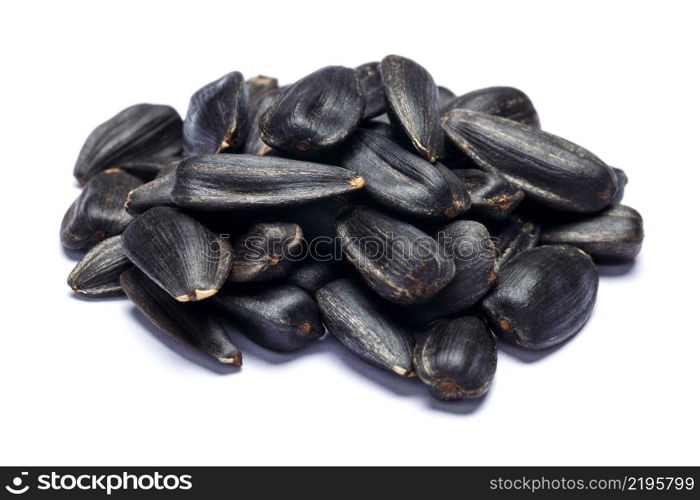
[
  {"x": 196, "y": 295},
  {"x": 357, "y": 181}
]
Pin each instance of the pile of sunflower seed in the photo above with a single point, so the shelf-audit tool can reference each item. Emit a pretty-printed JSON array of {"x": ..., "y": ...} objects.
[{"x": 411, "y": 223}]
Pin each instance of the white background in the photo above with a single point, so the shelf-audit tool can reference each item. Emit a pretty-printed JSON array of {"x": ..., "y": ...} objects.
[{"x": 83, "y": 382}]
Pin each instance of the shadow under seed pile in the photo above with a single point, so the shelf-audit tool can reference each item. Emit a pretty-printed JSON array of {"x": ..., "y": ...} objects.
[{"x": 414, "y": 224}]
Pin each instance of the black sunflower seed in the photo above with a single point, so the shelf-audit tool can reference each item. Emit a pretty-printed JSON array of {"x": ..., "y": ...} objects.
[
  {"x": 316, "y": 113},
  {"x": 97, "y": 273},
  {"x": 493, "y": 197},
  {"x": 402, "y": 181},
  {"x": 354, "y": 317},
  {"x": 192, "y": 324},
  {"x": 156, "y": 193},
  {"x": 99, "y": 210},
  {"x": 615, "y": 234},
  {"x": 372, "y": 90},
  {"x": 621, "y": 183},
  {"x": 398, "y": 261},
  {"x": 543, "y": 296},
  {"x": 254, "y": 144},
  {"x": 518, "y": 235},
  {"x": 258, "y": 87},
  {"x": 507, "y": 102},
  {"x": 445, "y": 96},
  {"x": 456, "y": 358},
  {"x": 468, "y": 243},
  {"x": 216, "y": 117},
  {"x": 318, "y": 222},
  {"x": 265, "y": 251},
  {"x": 230, "y": 182},
  {"x": 137, "y": 132},
  {"x": 551, "y": 170},
  {"x": 181, "y": 255},
  {"x": 280, "y": 317},
  {"x": 413, "y": 105},
  {"x": 149, "y": 168},
  {"x": 313, "y": 274}
]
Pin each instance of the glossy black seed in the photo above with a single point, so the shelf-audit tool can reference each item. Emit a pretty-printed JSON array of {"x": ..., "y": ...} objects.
[
  {"x": 266, "y": 251},
  {"x": 99, "y": 210},
  {"x": 156, "y": 193},
  {"x": 257, "y": 87},
  {"x": 372, "y": 90},
  {"x": 518, "y": 235},
  {"x": 216, "y": 117},
  {"x": 402, "y": 181},
  {"x": 318, "y": 222},
  {"x": 445, "y": 96},
  {"x": 615, "y": 234},
  {"x": 543, "y": 296},
  {"x": 549, "y": 169},
  {"x": 181, "y": 255},
  {"x": 493, "y": 197},
  {"x": 97, "y": 273},
  {"x": 192, "y": 324},
  {"x": 313, "y": 274},
  {"x": 468, "y": 243},
  {"x": 621, "y": 183},
  {"x": 507, "y": 102},
  {"x": 231, "y": 182},
  {"x": 149, "y": 168},
  {"x": 254, "y": 144},
  {"x": 456, "y": 358},
  {"x": 315, "y": 114},
  {"x": 280, "y": 317},
  {"x": 137, "y": 132},
  {"x": 354, "y": 317},
  {"x": 399, "y": 262},
  {"x": 413, "y": 105}
]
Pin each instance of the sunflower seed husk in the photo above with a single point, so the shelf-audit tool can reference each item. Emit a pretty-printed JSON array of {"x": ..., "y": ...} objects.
[
  {"x": 148, "y": 169},
  {"x": 279, "y": 317},
  {"x": 445, "y": 96},
  {"x": 152, "y": 194},
  {"x": 492, "y": 196},
  {"x": 315, "y": 114},
  {"x": 313, "y": 274},
  {"x": 621, "y": 183},
  {"x": 413, "y": 105},
  {"x": 216, "y": 117},
  {"x": 97, "y": 273},
  {"x": 254, "y": 144},
  {"x": 190, "y": 323},
  {"x": 543, "y": 296},
  {"x": 507, "y": 102},
  {"x": 371, "y": 84},
  {"x": 265, "y": 251},
  {"x": 354, "y": 317},
  {"x": 468, "y": 243},
  {"x": 402, "y": 181},
  {"x": 399, "y": 262},
  {"x": 456, "y": 358},
  {"x": 181, "y": 255},
  {"x": 613, "y": 235},
  {"x": 98, "y": 212},
  {"x": 257, "y": 87},
  {"x": 518, "y": 235},
  {"x": 549, "y": 169},
  {"x": 231, "y": 182},
  {"x": 318, "y": 222},
  {"x": 137, "y": 132}
]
